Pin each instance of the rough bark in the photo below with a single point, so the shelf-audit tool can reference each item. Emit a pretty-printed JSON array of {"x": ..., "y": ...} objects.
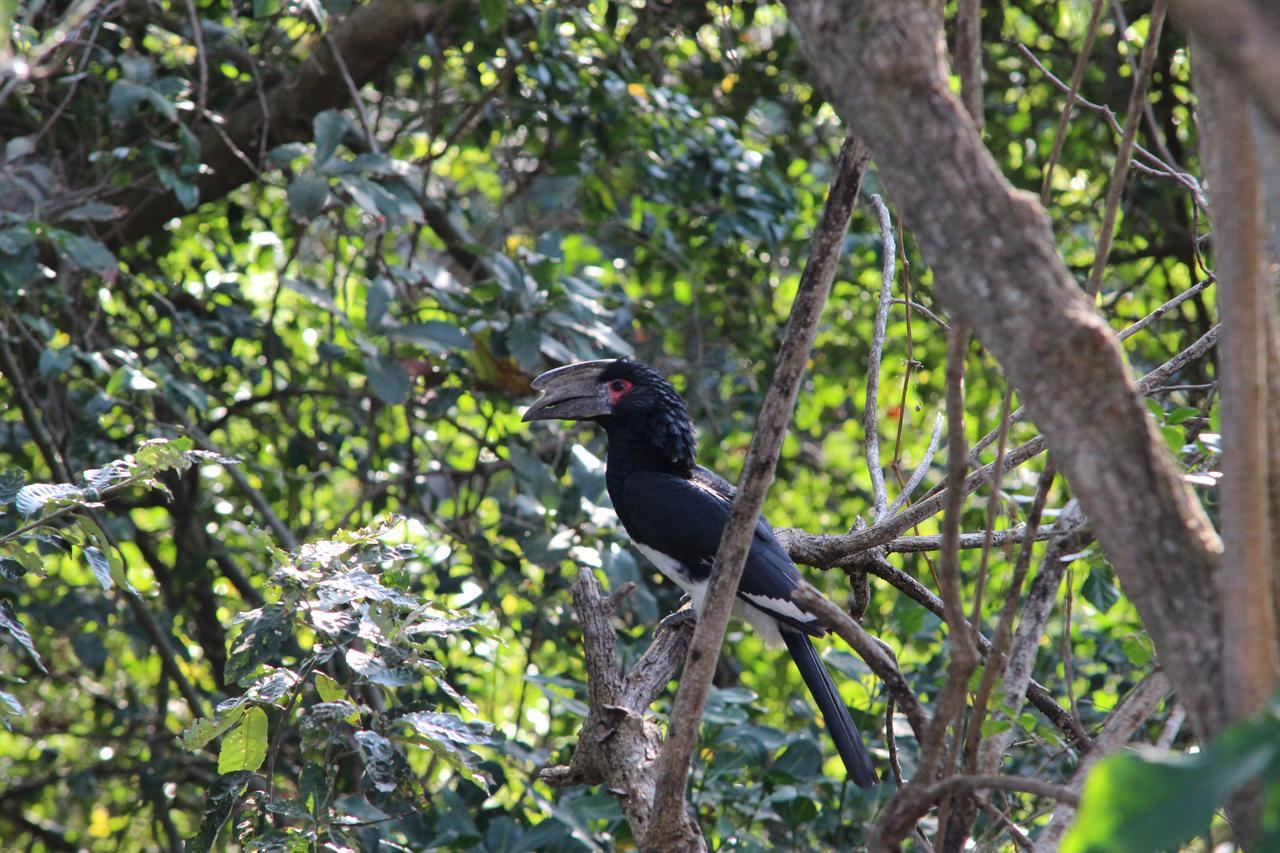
[
  {"x": 617, "y": 746},
  {"x": 992, "y": 252},
  {"x": 1244, "y": 581}
]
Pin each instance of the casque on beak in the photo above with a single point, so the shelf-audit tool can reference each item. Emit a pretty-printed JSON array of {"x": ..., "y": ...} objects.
[{"x": 571, "y": 393}]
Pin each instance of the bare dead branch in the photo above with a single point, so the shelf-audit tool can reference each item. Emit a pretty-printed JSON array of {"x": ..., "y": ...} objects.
[
  {"x": 996, "y": 662},
  {"x": 1035, "y": 614},
  {"x": 998, "y": 538},
  {"x": 877, "y": 657},
  {"x": 870, "y": 421},
  {"x": 964, "y": 656},
  {"x": 617, "y": 747},
  {"x": 668, "y": 829},
  {"x": 1120, "y": 171},
  {"x": 917, "y": 476}
]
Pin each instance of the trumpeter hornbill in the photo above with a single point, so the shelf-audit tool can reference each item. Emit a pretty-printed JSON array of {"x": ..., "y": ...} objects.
[{"x": 675, "y": 511}]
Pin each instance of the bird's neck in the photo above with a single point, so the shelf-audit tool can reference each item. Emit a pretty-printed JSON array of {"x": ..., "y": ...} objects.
[{"x": 645, "y": 446}]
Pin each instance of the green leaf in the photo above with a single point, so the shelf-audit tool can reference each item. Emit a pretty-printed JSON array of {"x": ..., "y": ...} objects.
[
  {"x": 451, "y": 738},
  {"x": 379, "y": 759},
  {"x": 318, "y": 295},
  {"x": 800, "y": 761},
  {"x": 9, "y": 622},
  {"x": 1149, "y": 800},
  {"x": 205, "y": 729},
  {"x": 245, "y": 746},
  {"x": 328, "y": 126},
  {"x": 388, "y": 379},
  {"x": 1098, "y": 589},
  {"x": 435, "y": 335},
  {"x": 100, "y": 565},
  {"x": 94, "y": 211},
  {"x": 87, "y": 254},
  {"x": 9, "y": 704},
  {"x": 32, "y": 498},
  {"x": 261, "y": 640},
  {"x": 307, "y": 196},
  {"x": 10, "y": 483}
]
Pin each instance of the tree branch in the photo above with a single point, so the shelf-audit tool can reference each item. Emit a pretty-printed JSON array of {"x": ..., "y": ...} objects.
[
  {"x": 364, "y": 43},
  {"x": 668, "y": 830}
]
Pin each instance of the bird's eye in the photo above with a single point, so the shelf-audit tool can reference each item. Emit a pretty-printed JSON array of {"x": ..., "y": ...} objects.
[{"x": 617, "y": 388}]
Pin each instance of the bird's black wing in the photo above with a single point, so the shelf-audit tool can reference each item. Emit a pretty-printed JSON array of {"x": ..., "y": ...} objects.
[{"x": 684, "y": 519}]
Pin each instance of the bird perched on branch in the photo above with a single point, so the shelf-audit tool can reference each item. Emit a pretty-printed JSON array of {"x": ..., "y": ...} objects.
[{"x": 675, "y": 511}]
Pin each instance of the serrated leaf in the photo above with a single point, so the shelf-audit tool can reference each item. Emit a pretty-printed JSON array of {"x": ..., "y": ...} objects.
[
  {"x": 11, "y": 482},
  {"x": 100, "y": 565},
  {"x": 9, "y": 622},
  {"x": 205, "y": 729},
  {"x": 267, "y": 630},
  {"x": 378, "y": 671},
  {"x": 244, "y": 747},
  {"x": 378, "y": 756},
  {"x": 32, "y": 499},
  {"x": 358, "y": 585},
  {"x": 449, "y": 736}
]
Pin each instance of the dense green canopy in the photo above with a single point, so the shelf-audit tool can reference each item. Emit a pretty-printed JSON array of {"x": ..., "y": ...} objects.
[{"x": 301, "y": 565}]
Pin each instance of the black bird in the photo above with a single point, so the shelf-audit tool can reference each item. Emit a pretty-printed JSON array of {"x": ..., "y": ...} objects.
[{"x": 675, "y": 511}]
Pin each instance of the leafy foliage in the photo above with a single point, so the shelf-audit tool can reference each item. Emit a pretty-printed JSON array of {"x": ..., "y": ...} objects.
[{"x": 355, "y": 322}]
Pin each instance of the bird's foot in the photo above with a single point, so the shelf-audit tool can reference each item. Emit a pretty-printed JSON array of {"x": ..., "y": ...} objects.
[{"x": 684, "y": 615}]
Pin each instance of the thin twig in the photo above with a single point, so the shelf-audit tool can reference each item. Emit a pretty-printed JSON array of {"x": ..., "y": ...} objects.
[
  {"x": 1120, "y": 171},
  {"x": 998, "y": 539},
  {"x": 921, "y": 470},
  {"x": 877, "y": 656},
  {"x": 964, "y": 656},
  {"x": 1077, "y": 77},
  {"x": 996, "y": 660},
  {"x": 870, "y": 423},
  {"x": 926, "y": 312}
]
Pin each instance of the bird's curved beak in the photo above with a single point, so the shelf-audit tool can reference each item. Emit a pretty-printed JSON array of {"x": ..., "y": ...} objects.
[{"x": 571, "y": 393}]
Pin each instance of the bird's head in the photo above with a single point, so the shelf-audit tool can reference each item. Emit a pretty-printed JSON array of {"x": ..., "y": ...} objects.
[{"x": 618, "y": 393}]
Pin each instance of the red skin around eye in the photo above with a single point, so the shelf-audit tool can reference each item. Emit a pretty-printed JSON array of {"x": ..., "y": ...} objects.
[{"x": 618, "y": 389}]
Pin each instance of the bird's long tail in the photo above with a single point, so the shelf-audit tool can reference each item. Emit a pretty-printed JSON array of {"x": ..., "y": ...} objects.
[{"x": 848, "y": 742}]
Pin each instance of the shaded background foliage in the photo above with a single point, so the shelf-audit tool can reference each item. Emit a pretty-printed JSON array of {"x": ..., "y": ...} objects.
[{"x": 520, "y": 186}]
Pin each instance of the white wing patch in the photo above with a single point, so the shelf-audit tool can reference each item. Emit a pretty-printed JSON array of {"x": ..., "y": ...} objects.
[
  {"x": 781, "y": 606},
  {"x": 670, "y": 567}
]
